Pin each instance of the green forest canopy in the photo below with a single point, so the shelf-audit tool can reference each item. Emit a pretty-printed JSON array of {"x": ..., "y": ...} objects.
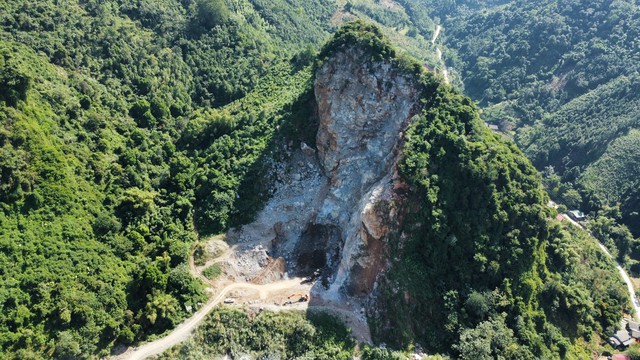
[
  {"x": 125, "y": 123},
  {"x": 98, "y": 176},
  {"x": 564, "y": 74}
]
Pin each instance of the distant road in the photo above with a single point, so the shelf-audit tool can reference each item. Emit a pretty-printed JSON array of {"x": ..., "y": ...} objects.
[
  {"x": 623, "y": 273},
  {"x": 445, "y": 72},
  {"x": 436, "y": 34}
]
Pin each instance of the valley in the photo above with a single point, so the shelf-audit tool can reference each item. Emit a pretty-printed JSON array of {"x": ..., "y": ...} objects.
[{"x": 340, "y": 150}]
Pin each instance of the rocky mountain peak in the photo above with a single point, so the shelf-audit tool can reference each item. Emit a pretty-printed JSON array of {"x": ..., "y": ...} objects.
[{"x": 334, "y": 208}]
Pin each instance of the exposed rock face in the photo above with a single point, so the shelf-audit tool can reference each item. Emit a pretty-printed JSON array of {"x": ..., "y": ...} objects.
[
  {"x": 335, "y": 208},
  {"x": 363, "y": 109}
]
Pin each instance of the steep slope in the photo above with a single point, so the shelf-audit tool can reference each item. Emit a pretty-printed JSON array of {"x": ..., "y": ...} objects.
[
  {"x": 97, "y": 193},
  {"x": 570, "y": 138},
  {"x": 407, "y": 206},
  {"x": 80, "y": 218},
  {"x": 468, "y": 235},
  {"x": 128, "y": 128},
  {"x": 615, "y": 177},
  {"x": 325, "y": 213}
]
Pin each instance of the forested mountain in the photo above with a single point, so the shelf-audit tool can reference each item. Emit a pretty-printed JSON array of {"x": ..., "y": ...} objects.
[
  {"x": 564, "y": 75},
  {"x": 99, "y": 169},
  {"x": 480, "y": 276},
  {"x": 128, "y": 129}
]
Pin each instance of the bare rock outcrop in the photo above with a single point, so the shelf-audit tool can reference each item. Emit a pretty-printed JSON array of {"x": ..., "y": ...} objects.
[
  {"x": 363, "y": 107},
  {"x": 336, "y": 207}
]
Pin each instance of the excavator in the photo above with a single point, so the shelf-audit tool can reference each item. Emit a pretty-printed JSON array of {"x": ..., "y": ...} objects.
[{"x": 300, "y": 298}]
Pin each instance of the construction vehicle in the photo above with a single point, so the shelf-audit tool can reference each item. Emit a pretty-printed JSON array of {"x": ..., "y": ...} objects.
[{"x": 294, "y": 298}]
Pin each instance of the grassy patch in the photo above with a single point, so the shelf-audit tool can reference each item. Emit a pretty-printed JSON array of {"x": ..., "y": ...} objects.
[{"x": 212, "y": 271}]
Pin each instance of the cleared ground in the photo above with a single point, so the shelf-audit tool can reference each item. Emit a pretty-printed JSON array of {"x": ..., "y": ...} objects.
[{"x": 283, "y": 294}]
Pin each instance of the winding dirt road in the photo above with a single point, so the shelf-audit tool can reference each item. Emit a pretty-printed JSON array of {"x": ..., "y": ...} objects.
[
  {"x": 623, "y": 273},
  {"x": 265, "y": 292},
  {"x": 184, "y": 330},
  {"x": 445, "y": 71}
]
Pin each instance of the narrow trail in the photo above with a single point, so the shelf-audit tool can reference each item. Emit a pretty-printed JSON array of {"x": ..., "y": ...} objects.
[
  {"x": 623, "y": 273},
  {"x": 445, "y": 71}
]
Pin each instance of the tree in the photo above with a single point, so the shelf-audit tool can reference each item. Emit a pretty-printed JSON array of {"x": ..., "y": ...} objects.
[
  {"x": 134, "y": 203},
  {"x": 633, "y": 352},
  {"x": 14, "y": 82},
  {"x": 209, "y": 13},
  {"x": 161, "y": 307},
  {"x": 106, "y": 223},
  {"x": 67, "y": 347},
  {"x": 491, "y": 339},
  {"x": 141, "y": 112},
  {"x": 159, "y": 109},
  {"x": 478, "y": 304},
  {"x": 572, "y": 198}
]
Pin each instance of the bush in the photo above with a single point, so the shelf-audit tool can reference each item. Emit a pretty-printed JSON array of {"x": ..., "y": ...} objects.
[{"x": 212, "y": 271}]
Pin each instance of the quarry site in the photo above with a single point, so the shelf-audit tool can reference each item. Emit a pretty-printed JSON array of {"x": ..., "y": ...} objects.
[{"x": 327, "y": 224}]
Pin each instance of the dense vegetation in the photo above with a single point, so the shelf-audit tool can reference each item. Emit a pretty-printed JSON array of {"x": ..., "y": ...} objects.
[
  {"x": 563, "y": 74},
  {"x": 272, "y": 335},
  {"x": 128, "y": 128},
  {"x": 279, "y": 335},
  {"x": 110, "y": 141},
  {"x": 91, "y": 244}
]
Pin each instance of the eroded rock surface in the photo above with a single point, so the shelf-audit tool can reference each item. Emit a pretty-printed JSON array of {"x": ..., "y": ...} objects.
[{"x": 334, "y": 208}]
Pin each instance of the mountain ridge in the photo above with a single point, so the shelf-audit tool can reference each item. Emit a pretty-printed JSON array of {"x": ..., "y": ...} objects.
[{"x": 123, "y": 142}]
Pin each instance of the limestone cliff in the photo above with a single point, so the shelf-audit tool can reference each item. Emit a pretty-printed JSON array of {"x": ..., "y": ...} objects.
[
  {"x": 333, "y": 208},
  {"x": 363, "y": 109}
]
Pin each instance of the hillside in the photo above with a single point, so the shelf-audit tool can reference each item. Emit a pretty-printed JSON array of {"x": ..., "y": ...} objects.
[
  {"x": 561, "y": 77},
  {"x": 396, "y": 236},
  {"x": 129, "y": 130},
  {"x": 98, "y": 184}
]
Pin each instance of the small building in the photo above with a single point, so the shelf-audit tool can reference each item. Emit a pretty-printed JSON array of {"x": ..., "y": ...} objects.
[
  {"x": 560, "y": 217},
  {"x": 621, "y": 339},
  {"x": 577, "y": 215},
  {"x": 634, "y": 329},
  {"x": 492, "y": 127}
]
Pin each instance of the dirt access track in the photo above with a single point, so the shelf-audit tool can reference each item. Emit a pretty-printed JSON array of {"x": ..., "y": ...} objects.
[{"x": 276, "y": 296}]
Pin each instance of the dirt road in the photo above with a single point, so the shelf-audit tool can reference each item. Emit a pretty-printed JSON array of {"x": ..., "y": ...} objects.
[
  {"x": 184, "y": 330},
  {"x": 445, "y": 71},
  {"x": 436, "y": 34},
  {"x": 623, "y": 273},
  {"x": 270, "y": 295}
]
